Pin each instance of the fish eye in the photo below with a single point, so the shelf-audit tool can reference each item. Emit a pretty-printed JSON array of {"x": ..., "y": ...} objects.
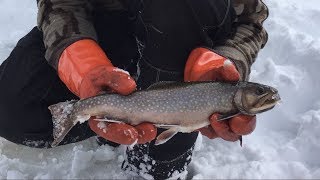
[{"x": 260, "y": 91}]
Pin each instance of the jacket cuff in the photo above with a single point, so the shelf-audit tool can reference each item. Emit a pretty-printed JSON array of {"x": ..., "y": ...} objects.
[
  {"x": 237, "y": 58},
  {"x": 54, "y": 53}
]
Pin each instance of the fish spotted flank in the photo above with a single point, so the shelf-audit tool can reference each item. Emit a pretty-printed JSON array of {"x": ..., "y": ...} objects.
[{"x": 177, "y": 106}]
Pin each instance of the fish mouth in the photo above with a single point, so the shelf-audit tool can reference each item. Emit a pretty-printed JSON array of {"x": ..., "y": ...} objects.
[{"x": 268, "y": 101}]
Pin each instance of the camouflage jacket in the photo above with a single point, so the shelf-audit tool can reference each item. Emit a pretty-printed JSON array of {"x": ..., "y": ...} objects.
[{"x": 65, "y": 21}]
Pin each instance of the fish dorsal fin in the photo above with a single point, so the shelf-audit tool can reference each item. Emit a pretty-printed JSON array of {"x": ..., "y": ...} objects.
[
  {"x": 161, "y": 84},
  {"x": 168, "y": 85}
]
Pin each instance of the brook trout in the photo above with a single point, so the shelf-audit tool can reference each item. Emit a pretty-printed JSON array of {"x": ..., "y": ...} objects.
[{"x": 176, "y": 106}]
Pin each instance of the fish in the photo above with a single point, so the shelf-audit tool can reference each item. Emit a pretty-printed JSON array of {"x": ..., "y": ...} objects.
[{"x": 175, "y": 106}]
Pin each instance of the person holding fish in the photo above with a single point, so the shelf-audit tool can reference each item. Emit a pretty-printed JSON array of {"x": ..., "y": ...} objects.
[{"x": 81, "y": 49}]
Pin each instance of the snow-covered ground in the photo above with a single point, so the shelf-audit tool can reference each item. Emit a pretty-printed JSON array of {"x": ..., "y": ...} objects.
[{"x": 286, "y": 143}]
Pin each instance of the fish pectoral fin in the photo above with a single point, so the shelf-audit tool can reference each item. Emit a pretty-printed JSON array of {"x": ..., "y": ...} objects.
[
  {"x": 166, "y": 135},
  {"x": 227, "y": 116}
]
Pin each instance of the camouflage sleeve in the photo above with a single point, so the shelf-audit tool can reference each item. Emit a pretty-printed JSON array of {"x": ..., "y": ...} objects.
[
  {"x": 63, "y": 22},
  {"x": 249, "y": 37}
]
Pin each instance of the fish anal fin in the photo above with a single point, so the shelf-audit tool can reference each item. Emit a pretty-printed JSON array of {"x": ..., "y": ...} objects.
[
  {"x": 166, "y": 126},
  {"x": 108, "y": 120},
  {"x": 166, "y": 135}
]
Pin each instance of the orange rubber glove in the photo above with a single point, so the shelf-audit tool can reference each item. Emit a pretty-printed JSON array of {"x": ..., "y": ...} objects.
[
  {"x": 86, "y": 71},
  {"x": 205, "y": 65}
]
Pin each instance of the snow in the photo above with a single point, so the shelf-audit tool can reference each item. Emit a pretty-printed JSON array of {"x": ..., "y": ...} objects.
[
  {"x": 227, "y": 63},
  {"x": 121, "y": 71},
  {"x": 284, "y": 145}
]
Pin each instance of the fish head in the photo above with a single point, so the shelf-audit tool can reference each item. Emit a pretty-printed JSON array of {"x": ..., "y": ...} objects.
[{"x": 253, "y": 98}]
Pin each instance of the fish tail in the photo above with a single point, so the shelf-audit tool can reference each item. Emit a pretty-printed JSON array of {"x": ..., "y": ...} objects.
[{"x": 61, "y": 120}]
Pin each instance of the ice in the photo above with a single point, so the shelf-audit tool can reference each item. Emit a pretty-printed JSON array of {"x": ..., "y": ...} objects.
[
  {"x": 199, "y": 145},
  {"x": 80, "y": 162},
  {"x": 12, "y": 174},
  {"x": 83, "y": 118},
  {"x": 285, "y": 143}
]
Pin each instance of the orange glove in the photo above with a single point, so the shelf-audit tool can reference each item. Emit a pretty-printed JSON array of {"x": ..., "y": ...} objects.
[
  {"x": 205, "y": 65},
  {"x": 87, "y": 71}
]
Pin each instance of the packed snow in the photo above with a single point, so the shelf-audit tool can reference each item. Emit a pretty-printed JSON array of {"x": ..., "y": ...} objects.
[{"x": 286, "y": 141}]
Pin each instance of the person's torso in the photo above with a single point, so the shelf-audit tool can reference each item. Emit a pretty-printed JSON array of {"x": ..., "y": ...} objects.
[
  {"x": 170, "y": 29},
  {"x": 174, "y": 28}
]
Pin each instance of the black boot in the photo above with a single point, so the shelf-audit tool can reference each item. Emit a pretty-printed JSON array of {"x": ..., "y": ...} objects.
[{"x": 169, "y": 160}]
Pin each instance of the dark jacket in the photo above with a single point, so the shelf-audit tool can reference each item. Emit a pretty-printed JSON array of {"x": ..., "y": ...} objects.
[{"x": 65, "y": 21}]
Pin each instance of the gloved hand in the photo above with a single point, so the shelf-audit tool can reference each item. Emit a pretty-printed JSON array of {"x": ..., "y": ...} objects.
[
  {"x": 87, "y": 71},
  {"x": 205, "y": 65}
]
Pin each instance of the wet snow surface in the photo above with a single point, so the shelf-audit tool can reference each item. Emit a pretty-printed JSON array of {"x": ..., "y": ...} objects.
[{"x": 284, "y": 145}]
